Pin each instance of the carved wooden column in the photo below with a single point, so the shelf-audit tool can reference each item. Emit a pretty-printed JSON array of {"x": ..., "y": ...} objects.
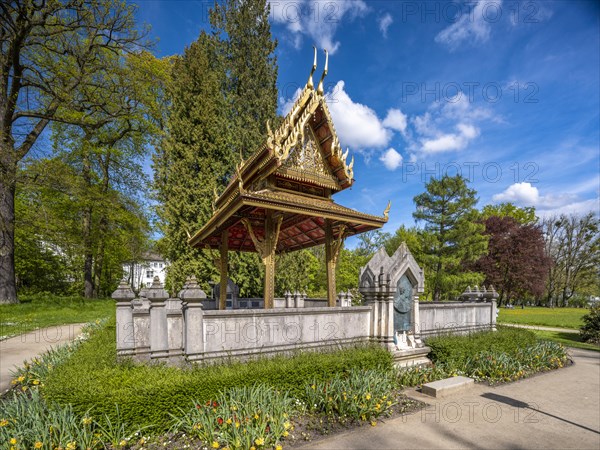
[
  {"x": 266, "y": 249},
  {"x": 332, "y": 251},
  {"x": 224, "y": 249}
]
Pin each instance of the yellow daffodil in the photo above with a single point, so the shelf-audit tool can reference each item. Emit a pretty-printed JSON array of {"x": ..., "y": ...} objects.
[
  {"x": 13, "y": 441},
  {"x": 368, "y": 396},
  {"x": 373, "y": 423},
  {"x": 259, "y": 441},
  {"x": 38, "y": 444},
  {"x": 73, "y": 445},
  {"x": 215, "y": 444},
  {"x": 278, "y": 447},
  {"x": 287, "y": 425},
  {"x": 285, "y": 434},
  {"x": 123, "y": 443},
  {"x": 3, "y": 422},
  {"x": 229, "y": 421},
  {"x": 87, "y": 420}
]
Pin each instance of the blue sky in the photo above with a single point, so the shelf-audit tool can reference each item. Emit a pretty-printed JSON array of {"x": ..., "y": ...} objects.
[{"x": 506, "y": 92}]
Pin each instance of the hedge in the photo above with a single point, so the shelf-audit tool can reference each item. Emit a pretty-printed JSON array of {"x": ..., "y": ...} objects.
[
  {"x": 144, "y": 395},
  {"x": 457, "y": 350}
]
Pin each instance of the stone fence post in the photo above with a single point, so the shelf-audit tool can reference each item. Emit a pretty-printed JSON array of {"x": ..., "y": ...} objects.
[
  {"x": 141, "y": 325},
  {"x": 193, "y": 316},
  {"x": 174, "y": 312},
  {"x": 125, "y": 327},
  {"x": 159, "y": 345}
]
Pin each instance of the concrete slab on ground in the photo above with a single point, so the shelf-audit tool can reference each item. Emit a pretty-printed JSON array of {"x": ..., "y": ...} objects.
[
  {"x": 448, "y": 386},
  {"x": 14, "y": 351},
  {"x": 558, "y": 409}
]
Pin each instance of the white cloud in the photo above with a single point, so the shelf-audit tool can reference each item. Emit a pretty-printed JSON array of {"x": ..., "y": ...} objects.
[
  {"x": 391, "y": 159},
  {"x": 316, "y": 19},
  {"x": 396, "y": 120},
  {"x": 384, "y": 23},
  {"x": 473, "y": 26},
  {"x": 451, "y": 141},
  {"x": 357, "y": 125},
  {"x": 522, "y": 194},
  {"x": 447, "y": 126}
]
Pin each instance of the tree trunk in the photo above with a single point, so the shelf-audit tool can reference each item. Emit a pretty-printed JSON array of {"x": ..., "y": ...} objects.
[
  {"x": 88, "y": 261},
  {"x": 8, "y": 286}
]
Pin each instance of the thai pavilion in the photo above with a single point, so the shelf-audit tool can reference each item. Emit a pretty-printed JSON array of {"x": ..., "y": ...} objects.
[{"x": 280, "y": 198}]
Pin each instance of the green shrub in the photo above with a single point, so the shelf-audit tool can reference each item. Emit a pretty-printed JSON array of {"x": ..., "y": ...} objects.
[
  {"x": 359, "y": 395},
  {"x": 506, "y": 355},
  {"x": 147, "y": 394},
  {"x": 241, "y": 417},
  {"x": 456, "y": 350},
  {"x": 590, "y": 331}
]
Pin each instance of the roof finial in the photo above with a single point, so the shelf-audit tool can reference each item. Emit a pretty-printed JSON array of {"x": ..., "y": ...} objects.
[
  {"x": 320, "y": 88},
  {"x": 309, "y": 83},
  {"x": 386, "y": 213}
]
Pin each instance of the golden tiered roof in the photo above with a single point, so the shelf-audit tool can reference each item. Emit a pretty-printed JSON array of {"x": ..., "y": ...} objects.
[{"x": 293, "y": 175}]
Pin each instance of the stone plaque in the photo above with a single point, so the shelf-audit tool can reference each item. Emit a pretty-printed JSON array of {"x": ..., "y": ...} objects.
[{"x": 403, "y": 304}]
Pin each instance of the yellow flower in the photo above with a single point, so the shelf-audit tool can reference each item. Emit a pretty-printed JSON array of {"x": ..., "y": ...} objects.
[
  {"x": 389, "y": 403},
  {"x": 21, "y": 379},
  {"x": 259, "y": 441},
  {"x": 363, "y": 417},
  {"x": 237, "y": 423},
  {"x": 123, "y": 443},
  {"x": 256, "y": 416},
  {"x": 38, "y": 444},
  {"x": 253, "y": 448},
  {"x": 73, "y": 445},
  {"x": 13, "y": 441},
  {"x": 278, "y": 447},
  {"x": 229, "y": 421},
  {"x": 285, "y": 434},
  {"x": 373, "y": 423},
  {"x": 87, "y": 420},
  {"x": 3, "y": 422},
  {"x": 36, "y": 382},
  {"x": 368, "y": 396},
  {"x": 24, "y": 388},
  {"x": 313, "y": 386},
  {"x": 215, "y": 444},
  {"x": 287, "y": 425}
]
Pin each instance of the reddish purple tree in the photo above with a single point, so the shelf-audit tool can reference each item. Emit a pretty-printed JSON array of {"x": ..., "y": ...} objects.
[{"x": 516, "y": 262}]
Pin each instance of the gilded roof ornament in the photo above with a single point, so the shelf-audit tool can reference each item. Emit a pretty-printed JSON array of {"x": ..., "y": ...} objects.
[
  {"x": 309, "y": 83},
  {"x": 325, "y": 70},
  {"x": 386, "y": 212}
]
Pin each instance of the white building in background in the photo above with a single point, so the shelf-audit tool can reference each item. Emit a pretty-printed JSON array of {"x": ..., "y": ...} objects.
[{"x": 141, "y": 273}]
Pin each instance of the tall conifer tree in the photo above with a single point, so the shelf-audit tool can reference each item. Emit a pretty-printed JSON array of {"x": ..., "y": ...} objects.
[
  {"x": 223, "y": 92},
  {"x": 452, "y": 237}
]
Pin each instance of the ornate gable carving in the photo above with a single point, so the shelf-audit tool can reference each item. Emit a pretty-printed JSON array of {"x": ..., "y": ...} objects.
[{"x": 305, "y": 162}]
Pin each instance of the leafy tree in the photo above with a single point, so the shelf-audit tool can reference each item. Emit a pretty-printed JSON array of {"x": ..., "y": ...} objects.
[
  {"x": 371, "y": 241},
  {"x": 525, "y": 215},
  {"x": 452, "y": 237},
  {"x": 590, "y": 331},
  {"x": 296, "y": 271},
  {"x": 108, "y": 152},
  {"x": 50, "y": 50},
  {"x": 573, "y": 244},
  {"x": 516, "y": 263}
]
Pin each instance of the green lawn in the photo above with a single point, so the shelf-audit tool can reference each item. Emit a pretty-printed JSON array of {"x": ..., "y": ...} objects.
[
  {"x": 549, "y": 317},
  {"x": 41, "y": 311},
  {"x": 566, "y": 339}
]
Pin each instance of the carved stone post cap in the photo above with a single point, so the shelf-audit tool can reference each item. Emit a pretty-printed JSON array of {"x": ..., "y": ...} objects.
[
  {"x": 144, "y": 292},
  {"x": 157, "y": 292},
  {"x": 191, "y": 291},
  {"x": 123, "y": 292}
]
